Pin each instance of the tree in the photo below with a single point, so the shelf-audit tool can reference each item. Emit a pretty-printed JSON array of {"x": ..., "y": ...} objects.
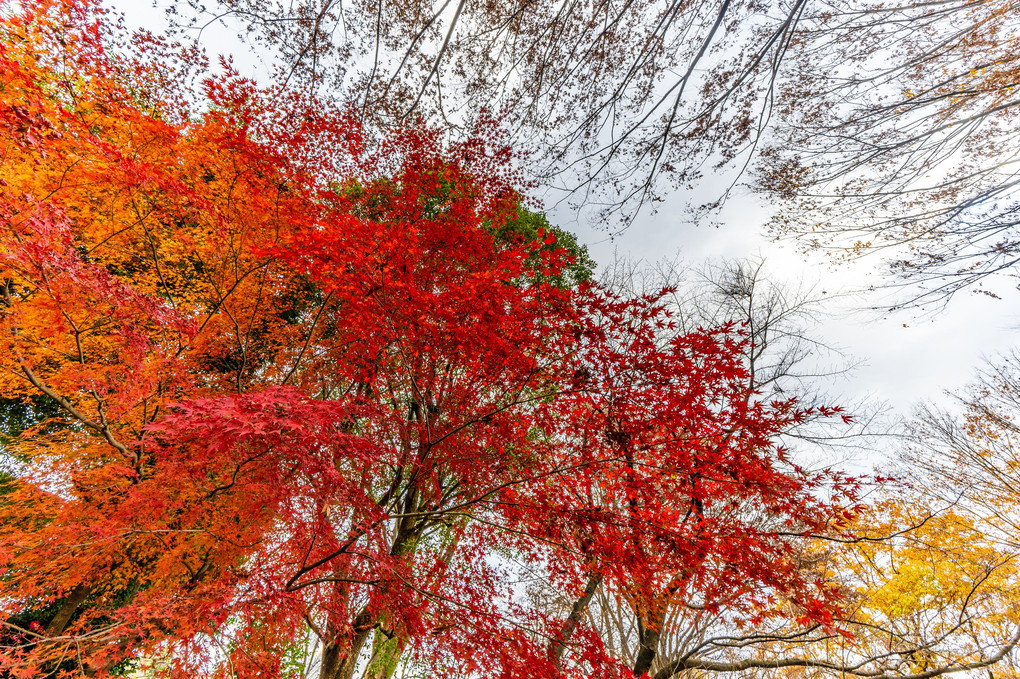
[
  {"x": 874, "y": 127},
  {"x": 782, "y": 358},
  {"x": 930, "y": 574},
  {"x": 897, "y": 134},
  {"x": 653, "y": 423},
  {"x": 934, "y": 589},
  {"x": 616, "y": 103},
  {"x": 967, "y": 453},
  {"x": 296, "y": 383}
]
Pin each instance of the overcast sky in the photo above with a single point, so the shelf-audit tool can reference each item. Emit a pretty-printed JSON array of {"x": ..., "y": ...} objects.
[{"x": 905, "y": 356}]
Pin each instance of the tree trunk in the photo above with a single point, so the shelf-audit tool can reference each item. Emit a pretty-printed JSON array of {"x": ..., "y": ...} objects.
[
  {"x": 339, "y": 659},
  {"x": 559, "y": 645},
  {"x": 67, "y": 608},
  {"x": 648, "y": 634},
  {"x": 386, "y": 652}
]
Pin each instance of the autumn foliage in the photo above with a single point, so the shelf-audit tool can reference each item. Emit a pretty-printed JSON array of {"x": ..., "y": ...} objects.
[{"x": 281, "y": 381}]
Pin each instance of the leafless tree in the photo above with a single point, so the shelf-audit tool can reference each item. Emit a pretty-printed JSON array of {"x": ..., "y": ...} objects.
[
  {"x": 898, "y": 134},
  {"x": 876, "y": 126},
  {"x": 614, "y": 101},
  {"x": 969, "y": 451}
]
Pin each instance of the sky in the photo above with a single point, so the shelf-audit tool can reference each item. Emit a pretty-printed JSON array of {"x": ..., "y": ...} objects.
[{"x": 902, "y": 357}]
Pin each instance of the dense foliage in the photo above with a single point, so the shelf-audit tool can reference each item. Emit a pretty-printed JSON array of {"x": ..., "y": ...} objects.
[{"x": 279, "y": 391}]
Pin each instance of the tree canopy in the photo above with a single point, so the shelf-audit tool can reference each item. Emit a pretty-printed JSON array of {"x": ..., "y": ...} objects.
[
  {"x": 284, "y": 390},
  {"x": 873, "y": 126},
  {"x": 297, "y": 380},
  {"x": 898, "y": 134}
]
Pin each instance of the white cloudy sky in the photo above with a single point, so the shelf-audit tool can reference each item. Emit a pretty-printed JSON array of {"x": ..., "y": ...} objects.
[{"x": 904, "y": 356}]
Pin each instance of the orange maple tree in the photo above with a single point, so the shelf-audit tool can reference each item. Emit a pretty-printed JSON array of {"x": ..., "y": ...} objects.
[{"x": 279, "y": 378}]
